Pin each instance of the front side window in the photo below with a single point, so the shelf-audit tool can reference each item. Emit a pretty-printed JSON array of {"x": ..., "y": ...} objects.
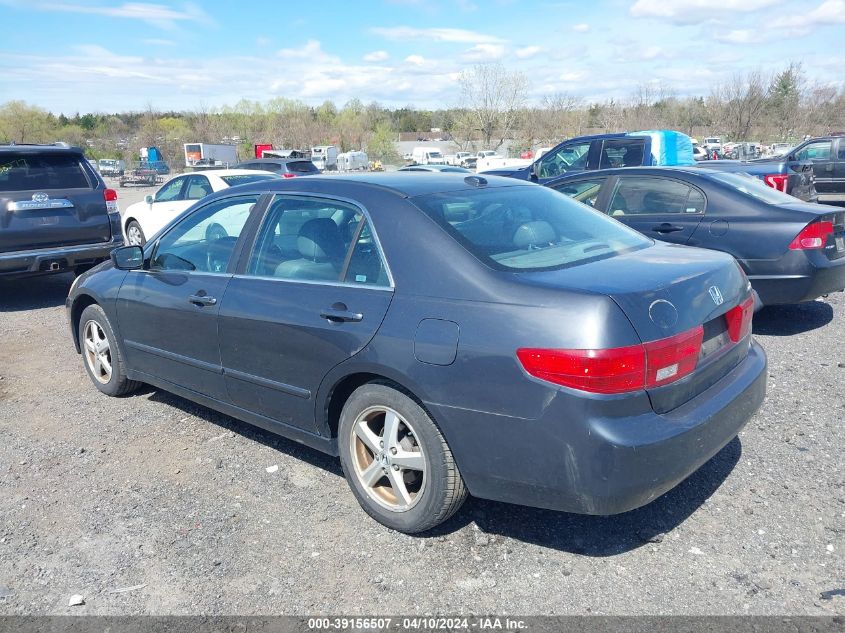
[
  {"x": 204, "y": 240},
  {"x": 316, "y": 239},
  {"x": 819, "y": 150},
  {"x": 567, "y": 158},
  {"x": 586, "y": 191},
  {"x": 198, "y": 188},
  {"x": 640, "y": 195},
  {"x": 171, "y": 191},
  {"x": 528, "y": 228}
]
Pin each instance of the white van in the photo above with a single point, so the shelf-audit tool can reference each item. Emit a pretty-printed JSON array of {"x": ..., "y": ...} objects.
[{"x": 427, "y": 156}]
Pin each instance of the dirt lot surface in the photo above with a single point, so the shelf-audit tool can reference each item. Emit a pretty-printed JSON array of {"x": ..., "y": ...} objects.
[{"x": 151, "y": 504}]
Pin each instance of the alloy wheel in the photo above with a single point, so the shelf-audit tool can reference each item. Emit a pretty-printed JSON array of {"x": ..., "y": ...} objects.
[
  {"x": 388, "y": 459},
  {"x": 97, "y": 352}
]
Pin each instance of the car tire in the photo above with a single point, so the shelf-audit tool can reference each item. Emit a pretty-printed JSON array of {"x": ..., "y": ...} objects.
[
  {"x": 135, "y": 234},
  {"x": 407, "y": 480},
  {"x": 101, "y": 354}
]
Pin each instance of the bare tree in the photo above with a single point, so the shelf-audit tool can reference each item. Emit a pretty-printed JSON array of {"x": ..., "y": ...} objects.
[
  {"x": 492, "y": 99},
  {"x": 744, "y": 100}
]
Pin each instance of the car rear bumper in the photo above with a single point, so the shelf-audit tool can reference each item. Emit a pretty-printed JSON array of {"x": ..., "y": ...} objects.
[
  {"x": 55, "y": 259},
  {"x": 799, "y": 276},
  {"x": 606, "y": 458}
]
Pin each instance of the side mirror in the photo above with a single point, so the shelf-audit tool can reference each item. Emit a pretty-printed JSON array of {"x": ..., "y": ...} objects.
[
  {"x": 128, "y": 258},
  {"x": 149, "y": 198},
  {"x": 535, "y": 169}
]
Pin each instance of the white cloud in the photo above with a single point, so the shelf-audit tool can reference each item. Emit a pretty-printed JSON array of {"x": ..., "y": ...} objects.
[
  {"x": 461, "y": 36},
  {"x": 416, "y": 60},
  {"x": 581, "y": 28},
  {"x": 311, "y": 51},
  {"x": 376, "y": 56},
  {"x": 739, "y": 36},
  {"x": 828, "y": 12},
  {"x": 695, "y": 11},
  {"x": 484, "y": 53},
  {"x": 158, "y": 15},
  {"x": 527, "y": 52},
  {"x": 154, "y": 41},
  {"x": 263, "y": 41}
]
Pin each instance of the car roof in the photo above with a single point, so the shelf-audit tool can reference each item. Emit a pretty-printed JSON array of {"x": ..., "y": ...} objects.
[
  {"x": 272, "y": 161},
  {"x": 40, "y": 148},
  {"x": 231, "y": 172},
  {"x": 404, "y": 184},
  {"x": 663, "y": 170}
]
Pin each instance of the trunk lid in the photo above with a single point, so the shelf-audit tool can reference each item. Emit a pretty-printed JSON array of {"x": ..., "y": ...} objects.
[
  {"x": 666, "y": 290},
  {"x": 49, "y": 200}
]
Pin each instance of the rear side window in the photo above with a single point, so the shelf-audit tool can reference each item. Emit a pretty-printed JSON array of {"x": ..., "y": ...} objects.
[
  {"x": 23, "y": 172},
  {"x": 317, "y": 239},
  {"x": 621, "y": 152},
  {"x": 528, "y": 228},
  {"x": 302, "y": 167},
  {"x": 641, "y": 195}
]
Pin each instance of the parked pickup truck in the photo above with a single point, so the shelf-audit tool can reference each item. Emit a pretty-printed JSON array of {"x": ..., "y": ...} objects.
[
  {"x": 783, "y": 173},
  {"x": 827, "y": 154},
  {"x": 584, "y": 152}
]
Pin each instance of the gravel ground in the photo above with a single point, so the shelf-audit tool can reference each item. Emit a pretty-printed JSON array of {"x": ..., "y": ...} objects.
[{"x": 151, "y": 504}]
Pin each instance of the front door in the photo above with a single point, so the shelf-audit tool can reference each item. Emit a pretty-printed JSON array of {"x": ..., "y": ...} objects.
[
  {"x": 168, "y": 312},
  {"x": 839, "y": 170},
  {"x": 311, "y": 294},
  {"x": 821, "y": 155},
  {"x": 662, "y": 208}
]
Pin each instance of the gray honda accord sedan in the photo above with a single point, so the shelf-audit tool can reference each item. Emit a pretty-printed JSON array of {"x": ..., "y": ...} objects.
[{"x": 443, "y": 335}]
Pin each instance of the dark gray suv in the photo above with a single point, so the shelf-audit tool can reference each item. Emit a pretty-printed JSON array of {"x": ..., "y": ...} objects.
[{"x": 56, "y": 213}]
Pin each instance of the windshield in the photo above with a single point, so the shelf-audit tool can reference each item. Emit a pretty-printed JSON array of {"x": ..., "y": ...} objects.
[
  {"x": 244, "y": 179},
  {"x": 528, "y": 228},
  {"x": 753, "y": 187}
]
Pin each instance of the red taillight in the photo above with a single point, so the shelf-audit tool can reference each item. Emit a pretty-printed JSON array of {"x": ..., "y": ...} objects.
[
  {"x": 619, "y": 369},
  {"x": 776, "y": 181},
  {"x": 739, "y": 320},
  {"x": 288, "y": 175},
  {"x": 813, "y": 236},
  {"x": 110, "y": 196},
  {"x": 672, "y": 358}
]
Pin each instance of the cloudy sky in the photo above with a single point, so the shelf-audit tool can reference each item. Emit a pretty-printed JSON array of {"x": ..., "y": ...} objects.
[{"x": 95, "y": 55}]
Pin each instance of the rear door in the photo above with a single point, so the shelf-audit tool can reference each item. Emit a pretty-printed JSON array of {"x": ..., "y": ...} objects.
[
  {"x": 50, "y": 199},
  {"x": 663, "y": 208},
  {"x": 310, "y": 295}
]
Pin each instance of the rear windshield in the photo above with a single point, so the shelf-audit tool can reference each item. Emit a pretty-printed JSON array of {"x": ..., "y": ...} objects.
[
  {"x": 244, "y": 179},
  {"x": 24, "y": 172},
  {"x": 302, "y": 167},
  {"x": 753, "y": 187},
  {"x": 529, "y": 228}
]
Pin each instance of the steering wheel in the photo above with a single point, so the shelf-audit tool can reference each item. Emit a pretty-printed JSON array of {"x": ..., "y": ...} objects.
[
  {"x": 214, "y": 232},
  {"x": 218, "y": 253}
]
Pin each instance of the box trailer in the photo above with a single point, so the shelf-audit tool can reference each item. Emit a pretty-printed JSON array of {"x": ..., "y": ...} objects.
[
  {"x": 325, "y": 157},
  {"x": 208, "y": 155}
]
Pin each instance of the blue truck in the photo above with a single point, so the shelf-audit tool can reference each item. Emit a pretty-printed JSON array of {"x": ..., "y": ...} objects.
[{"x": 603, "y": 151}]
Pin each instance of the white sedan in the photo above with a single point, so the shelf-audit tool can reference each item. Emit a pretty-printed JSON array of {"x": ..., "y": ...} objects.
[{"x": 144, "y": 219}]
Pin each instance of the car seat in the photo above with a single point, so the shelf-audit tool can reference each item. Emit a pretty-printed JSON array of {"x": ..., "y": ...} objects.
[{"x": 321, "y": 252}]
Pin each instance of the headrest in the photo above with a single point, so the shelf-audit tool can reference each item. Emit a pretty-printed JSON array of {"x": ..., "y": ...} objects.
[
  {"x": 319, "y": 240},
  {"x": 537, "y": 233}
]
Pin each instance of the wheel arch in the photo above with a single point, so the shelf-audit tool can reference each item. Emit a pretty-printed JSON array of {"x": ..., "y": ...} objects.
[
  {"x": 336, "y": 391},
  {"x": 77, "y": 307}
]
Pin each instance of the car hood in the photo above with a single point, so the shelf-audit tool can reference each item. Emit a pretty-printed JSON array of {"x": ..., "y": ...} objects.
[
  {"x": 664, "y": 289},
  {"x": 507, "y": 171}
]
